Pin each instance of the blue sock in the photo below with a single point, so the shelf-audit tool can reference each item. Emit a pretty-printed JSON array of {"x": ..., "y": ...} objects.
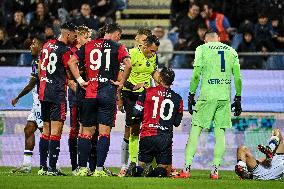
[
  {"x": 102, "y": 149},
  {"x": 84, "y": 148},
  {"x": 93, "y": 154},
  {"x": 54, "y": 149},
  {"x": 72, "y": 142},
  {"x": 43, "y": 150}
]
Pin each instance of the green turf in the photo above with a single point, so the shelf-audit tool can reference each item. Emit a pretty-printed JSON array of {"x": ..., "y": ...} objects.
[{"x": 198, "y": 180}]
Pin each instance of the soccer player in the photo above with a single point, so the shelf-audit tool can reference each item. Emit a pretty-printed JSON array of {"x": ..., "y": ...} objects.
[
  {"x": 75, "y": 96},
  {"x": 52, "y": 94},
  {"x": 34, "y": 121},
  {"x": 159, "y": 108},
  {"x": 140, "y": 37},
  {"x": 269, "y": 168},
  {"x": 144, "y": 67},
  {"x": 103, "y": 58},
  {"x": 216, "y": 62}
]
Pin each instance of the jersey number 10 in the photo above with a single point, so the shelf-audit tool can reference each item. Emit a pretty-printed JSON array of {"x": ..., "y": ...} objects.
[
  {"x": 222, "y": 60},
  {"x": 162, "y": 108}
]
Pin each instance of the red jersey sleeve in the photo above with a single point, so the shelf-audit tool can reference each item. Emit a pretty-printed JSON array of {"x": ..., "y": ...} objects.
[
  {"x": 122, "y": 53},
  {"x": 66, "y": 56}
]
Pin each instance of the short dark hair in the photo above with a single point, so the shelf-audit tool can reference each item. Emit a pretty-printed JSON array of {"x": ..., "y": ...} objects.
[
  {"x": 210, "y": 32},
  {"x": 69, "y": 26},
  {"x": 167, "y": 75},
  {"x": 144, "y": 31},
  {"x": 109, "y": 28},
  {"x": 193, "y": 4},
  {"x": 152, "y": 39}
]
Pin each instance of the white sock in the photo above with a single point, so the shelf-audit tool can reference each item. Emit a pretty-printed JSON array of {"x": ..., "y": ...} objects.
[
  {"x": 28, "y": 154},
  {"x": 124, "y": 153},
  {"x": 186, "y": 168},
  {"x": 274, "y": 142},
  {"x": 215, "y": 169},
  {"x": 242, "y": 164}
]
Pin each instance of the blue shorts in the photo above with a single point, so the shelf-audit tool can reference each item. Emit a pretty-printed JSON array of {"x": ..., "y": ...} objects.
[
  {"x": 100, "y": 110},
  {"x": 51, "y": 111},
  {"x": 158, "y": 147}
]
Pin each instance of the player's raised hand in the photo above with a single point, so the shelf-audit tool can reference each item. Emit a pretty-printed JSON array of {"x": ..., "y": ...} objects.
[
  {"x": 14, "y": 101},
  {"x": 191, "y": 103},
  {"x": 237, "y": 106}
]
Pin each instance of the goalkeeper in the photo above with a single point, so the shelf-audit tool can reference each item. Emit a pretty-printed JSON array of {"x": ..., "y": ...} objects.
[{"x": 216, "y": 62}]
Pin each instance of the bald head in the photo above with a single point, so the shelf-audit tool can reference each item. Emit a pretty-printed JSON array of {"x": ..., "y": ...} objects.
[{"x": 211, "y": 36}]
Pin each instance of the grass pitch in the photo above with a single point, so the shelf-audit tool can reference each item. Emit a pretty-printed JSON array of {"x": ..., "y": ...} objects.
[{"x": 199, "y": 180}]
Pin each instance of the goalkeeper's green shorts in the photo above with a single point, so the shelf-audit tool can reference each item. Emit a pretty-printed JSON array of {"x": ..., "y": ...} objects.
[{"x": 218, "y": 111}]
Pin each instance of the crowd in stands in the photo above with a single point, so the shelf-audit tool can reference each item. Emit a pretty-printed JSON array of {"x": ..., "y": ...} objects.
[{"x": 246, "y": 25}]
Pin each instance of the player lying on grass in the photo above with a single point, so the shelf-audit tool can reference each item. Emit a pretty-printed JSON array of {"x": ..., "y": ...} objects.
[
  {"x": 159, "y": 108},
  {"x": 34, "y": 121},
  {"x": 269, "y": 168}
]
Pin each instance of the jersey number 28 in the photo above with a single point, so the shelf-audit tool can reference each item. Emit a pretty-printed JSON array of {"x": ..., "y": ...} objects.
[{"x": 52, "y": 59}]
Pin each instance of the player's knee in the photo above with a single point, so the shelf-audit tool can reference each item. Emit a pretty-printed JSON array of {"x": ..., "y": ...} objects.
[{"x": 29, "y": 129}]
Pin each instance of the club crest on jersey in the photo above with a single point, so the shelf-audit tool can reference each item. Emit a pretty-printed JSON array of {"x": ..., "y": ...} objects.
[{"x": 147, "y": 64}]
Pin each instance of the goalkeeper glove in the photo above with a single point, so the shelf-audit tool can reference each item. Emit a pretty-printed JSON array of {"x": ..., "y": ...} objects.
[
  {"x": 191, "y": 103},
  {"x": 237, "y": 106}
]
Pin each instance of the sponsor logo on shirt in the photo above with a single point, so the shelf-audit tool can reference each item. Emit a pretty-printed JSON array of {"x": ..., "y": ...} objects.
[{"x": 219, "y": 81}]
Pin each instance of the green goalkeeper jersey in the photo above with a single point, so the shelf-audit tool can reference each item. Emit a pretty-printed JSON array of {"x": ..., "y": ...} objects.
[
  {"x": 216, "y": 63},
  {"x": 142, "y": 68}
]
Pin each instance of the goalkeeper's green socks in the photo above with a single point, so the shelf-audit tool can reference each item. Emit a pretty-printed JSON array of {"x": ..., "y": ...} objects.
[
  {"x": 133, "y": 148},
  {"x": 219, "y": 149},
  {"x": 191, "y": 146}
]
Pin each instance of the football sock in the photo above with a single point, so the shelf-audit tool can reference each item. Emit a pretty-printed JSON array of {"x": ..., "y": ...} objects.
[
  {"x": 215, "y": 169},
  {"x": 133, "y": 148},
  {"x": 93, "y": 154},
  {"x": 219, "y": 148},
  {"x": 273, "y": 142},
  {"x": 28, "y": 154},
  {"x": 54, "y": 149},
  {"x": 124, "y": 152},
  {"x": 102, "y": 149},
  {"x": 241, "y": 163},
  {"x": 43, "y": 150},
  {"x": 191, "y": 145},
  {"x": 186, "y": 168},
  {"x": 84, "y": 149},
  {"x": 72, "y": 142}
]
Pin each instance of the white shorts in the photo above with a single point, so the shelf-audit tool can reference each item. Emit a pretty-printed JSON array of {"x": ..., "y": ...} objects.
[
  {"x": 35, "y": 114},
  {"x": 274, "y": 172}
]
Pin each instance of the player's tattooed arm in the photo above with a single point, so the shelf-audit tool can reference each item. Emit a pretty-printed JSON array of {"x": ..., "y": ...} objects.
[
  {"x": 25, "y": 90},
  {"x": 72, "y": 63}
]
